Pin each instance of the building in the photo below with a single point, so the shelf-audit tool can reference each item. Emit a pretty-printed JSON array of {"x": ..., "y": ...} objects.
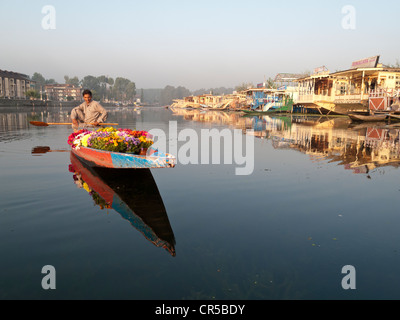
[
  {"x": 14, "y": 85},
  {"x": 367, "y": 85},
  {"x": 63, "y": 92},
  {"x": 287, "y": 82}
]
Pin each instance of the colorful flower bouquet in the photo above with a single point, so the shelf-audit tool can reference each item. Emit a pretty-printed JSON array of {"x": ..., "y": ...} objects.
[{"x": 111, "y": 139}]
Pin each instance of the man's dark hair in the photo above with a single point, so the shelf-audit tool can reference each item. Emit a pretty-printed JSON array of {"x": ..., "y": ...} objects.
[{"x": 87, "y": 92}]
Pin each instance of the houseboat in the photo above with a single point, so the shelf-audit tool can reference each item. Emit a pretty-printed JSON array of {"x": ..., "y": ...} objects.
[
  {"x": 269, "y": 100},
  {"x": 367, "y": 86}
]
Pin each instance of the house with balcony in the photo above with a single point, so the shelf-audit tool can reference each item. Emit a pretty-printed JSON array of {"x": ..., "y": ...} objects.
[
  {"x": 14, "y": 85},
  {"x": 63, "y": 92},
  {"x": 366, "y": 86}
]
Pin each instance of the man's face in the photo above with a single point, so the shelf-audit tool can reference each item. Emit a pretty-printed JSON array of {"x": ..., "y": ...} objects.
[{"x": 87, "y": 98}]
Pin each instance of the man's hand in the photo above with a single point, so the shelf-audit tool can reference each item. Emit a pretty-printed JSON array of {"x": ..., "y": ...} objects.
[
  {"x": 75, "y": 125},
  {"x": 96, "y": 124}
]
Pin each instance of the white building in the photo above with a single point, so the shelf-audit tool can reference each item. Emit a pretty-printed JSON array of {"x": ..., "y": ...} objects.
[{"x": 14, "y": 85}]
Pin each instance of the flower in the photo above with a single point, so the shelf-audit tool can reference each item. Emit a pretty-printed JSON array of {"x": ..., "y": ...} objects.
[
  {"x": 111, "y": 139},
  {"x": 76, "y": 135},
  {"x": 85, "y": 139},
  {"x": 86, "y": 187},
  {"x": 97, "y": 199}
]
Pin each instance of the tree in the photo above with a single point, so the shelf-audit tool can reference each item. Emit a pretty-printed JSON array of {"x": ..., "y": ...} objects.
[
  {"x": 169, "y": 93},
  {"x": 50, "y": 81},
  {"x": 124, "y": 89},
  {"x": 131, "y": 91},
  {"x": 270, "y": 84},
  {"x": 74, "y": 81},
  {"x": 40, "y": 81},
  {"x": 104, "y": 83},
  {"x": 91, "y": 83},
  {"x": 244, "y": 86},
  {"x": 32, "y": 94}
]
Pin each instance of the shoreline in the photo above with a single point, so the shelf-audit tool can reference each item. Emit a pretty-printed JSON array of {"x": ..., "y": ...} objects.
[{"x": 7, "y": 103}]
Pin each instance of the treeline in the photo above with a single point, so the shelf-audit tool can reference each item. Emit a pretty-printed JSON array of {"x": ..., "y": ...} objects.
[
  {"x": 121, "y": 89},
  {"x": 103, "y": 88}
]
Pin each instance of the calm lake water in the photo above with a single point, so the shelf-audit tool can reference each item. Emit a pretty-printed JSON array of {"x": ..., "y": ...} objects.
[{"x": 323, "y": 194}]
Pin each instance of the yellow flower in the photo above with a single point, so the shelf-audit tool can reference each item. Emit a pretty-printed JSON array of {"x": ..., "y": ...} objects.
[
  {"x": 86, "y": 187},
  {"x": 84, "y": 140}
]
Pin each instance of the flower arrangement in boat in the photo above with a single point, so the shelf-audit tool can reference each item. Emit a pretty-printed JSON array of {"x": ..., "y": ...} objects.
[{"x": 111, "y": 139}]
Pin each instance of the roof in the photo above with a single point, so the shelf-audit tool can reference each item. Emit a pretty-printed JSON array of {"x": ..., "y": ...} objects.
[
  {"x": 338, "y": 73},
  {"x": 287, "y": 76},
  {"x": 13, "y": 75},
  {"x": 67, "y": 85}
]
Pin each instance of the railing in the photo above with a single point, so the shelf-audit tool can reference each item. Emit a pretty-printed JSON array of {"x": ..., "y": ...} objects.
[
  {"x": 380, "y": 93},
  {"x": 352, "y": 97},
  {"x": 310, "y": 98}
]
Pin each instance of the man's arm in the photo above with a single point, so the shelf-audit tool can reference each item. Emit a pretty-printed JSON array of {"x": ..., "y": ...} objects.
[
  {"x": 103, "y": 114},
  {"x": 77, "y": 115}
]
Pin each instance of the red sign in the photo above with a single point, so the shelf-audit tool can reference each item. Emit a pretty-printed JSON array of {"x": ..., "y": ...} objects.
[{"x": 366, "y": 63}]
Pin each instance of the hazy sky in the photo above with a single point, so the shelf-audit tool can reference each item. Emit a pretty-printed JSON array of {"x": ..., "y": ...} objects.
[{"x": 196, "y": 44}]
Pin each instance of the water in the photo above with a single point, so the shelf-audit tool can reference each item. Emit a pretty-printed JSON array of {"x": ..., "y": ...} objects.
[{"x": 323, "y": 194}]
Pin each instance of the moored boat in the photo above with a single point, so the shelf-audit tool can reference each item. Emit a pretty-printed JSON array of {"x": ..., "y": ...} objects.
[{"x": 369, "y": 118}]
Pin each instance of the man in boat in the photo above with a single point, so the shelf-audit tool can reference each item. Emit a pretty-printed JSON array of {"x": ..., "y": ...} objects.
[{"x": 90, "y": 112}]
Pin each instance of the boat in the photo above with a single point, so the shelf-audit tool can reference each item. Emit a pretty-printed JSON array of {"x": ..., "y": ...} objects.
[
  {"x": 131, "y": 193},
  {"x": 370, "y": 117},
  {"x": 393, "y": 116},
  {"x": 269, "y": 101},
  {"x": 117, "y": 160}
]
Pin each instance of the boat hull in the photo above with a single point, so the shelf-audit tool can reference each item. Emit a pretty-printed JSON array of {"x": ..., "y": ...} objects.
[
  {"x": 118, "y": 160},
  {"x": 369, "y": 118}
]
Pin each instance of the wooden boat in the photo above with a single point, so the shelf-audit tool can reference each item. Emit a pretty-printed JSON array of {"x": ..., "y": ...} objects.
[
  {"x": 370, "y": 118},
  {"x": 118, "y": 160},
  {"x": 131, "y": 193},
  {"x": 393, "y": 116}
]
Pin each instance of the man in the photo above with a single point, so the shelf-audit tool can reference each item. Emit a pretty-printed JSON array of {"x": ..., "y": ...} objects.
[{"x": 89, "y": 112}]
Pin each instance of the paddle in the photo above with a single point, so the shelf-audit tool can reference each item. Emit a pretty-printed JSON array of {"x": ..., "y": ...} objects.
[
  {"x": 41, "y": 150},
  {"x": 45, "y": 124}
]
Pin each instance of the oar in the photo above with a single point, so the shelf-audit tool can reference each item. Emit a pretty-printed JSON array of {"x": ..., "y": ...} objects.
[
  {"x": 41, "y": 150},
  {"x": 46, "y": 124}
]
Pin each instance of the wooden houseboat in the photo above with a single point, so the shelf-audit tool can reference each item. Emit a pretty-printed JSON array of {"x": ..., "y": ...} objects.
[
  {"x": 269, "y": 100},
  {"x": 366, "y": 86}
]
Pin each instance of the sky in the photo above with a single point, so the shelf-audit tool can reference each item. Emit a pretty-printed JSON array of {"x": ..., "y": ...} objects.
[{"x": 195, "y": 44}]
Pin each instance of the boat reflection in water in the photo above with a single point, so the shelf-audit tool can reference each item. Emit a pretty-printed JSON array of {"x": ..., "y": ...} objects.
[
  {"x": 133, "y": 194},
  {"x": 360, "y": 148}
]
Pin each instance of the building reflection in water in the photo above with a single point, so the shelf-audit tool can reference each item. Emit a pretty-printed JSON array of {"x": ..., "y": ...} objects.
[
  {"x": 358, "y": 147},
  {"x": 133, "y": 194}
]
